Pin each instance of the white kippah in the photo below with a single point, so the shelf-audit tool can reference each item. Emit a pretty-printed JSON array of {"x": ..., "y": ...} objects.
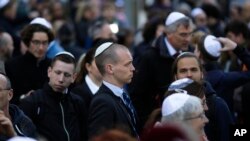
[
  {"x": 197, "y": 11},
  {"x": 173, "y": 103},
  {"x": 102, "y": 48},
  {"x": 18, "y": 138},
  {"x": 179, "y": 84},
  {"x": 3, "y": 3},
  {"x": 66, "y": 53},
  {"x": 41, "y": 21},
  {"x": 212, "y": 46},
  {"x": 173, "y": 17}
]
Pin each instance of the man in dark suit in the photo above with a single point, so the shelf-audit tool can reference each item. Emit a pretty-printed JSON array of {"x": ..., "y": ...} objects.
[
  {"x": 111, "y": 106},
  {"x": 153, "y": 73}
]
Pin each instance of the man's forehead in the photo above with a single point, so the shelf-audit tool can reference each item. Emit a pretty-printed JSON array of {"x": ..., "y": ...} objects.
[
  {"x": 188, "y": 61},
  {"x": 2, "y": 81},
  {"x": 184, "y": 28}
]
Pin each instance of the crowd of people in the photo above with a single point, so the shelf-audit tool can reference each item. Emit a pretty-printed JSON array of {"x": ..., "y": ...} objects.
[{"x": 79, "y": 72}]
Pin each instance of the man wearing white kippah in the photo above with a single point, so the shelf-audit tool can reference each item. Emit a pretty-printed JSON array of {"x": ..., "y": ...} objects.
[
  {"x": 111, "y": 106},
  {"x": 58, "y": 114},
  {"x": 182, "y": 108},
  {"x": 208, "y": 51},
  {"x": 28, "y": 72},
  {"x": 153, "y": 72},
  {"x": 187, "y": 65}
]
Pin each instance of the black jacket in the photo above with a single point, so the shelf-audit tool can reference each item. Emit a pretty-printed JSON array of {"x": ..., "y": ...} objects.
[
  {"x": 23, "y": 126},
  {"x": 219, "y": 116},
  {"x": 108, "y": 111},
  {"x": 57, "y": 116},
  {"x": 84, "y": 92},
  {"x": 151, "y": 78},
  {"x": 26, "y": 74}
]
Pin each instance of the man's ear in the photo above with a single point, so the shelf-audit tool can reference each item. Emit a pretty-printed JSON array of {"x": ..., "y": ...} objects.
[
  {"x": 109, "y": 68},
  {"x": 74, "y": 77},
  {"x": 49, "y": 71},
  {"x": 175, "y": 77},
  {"x": 10, "y": 94}
]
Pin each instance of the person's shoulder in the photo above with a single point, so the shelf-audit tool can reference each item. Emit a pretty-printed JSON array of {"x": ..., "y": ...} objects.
[
  {"x": 14, "y": 61},
  {"x": 75, "y": 97},
  {"x": 104, "y": 98}
]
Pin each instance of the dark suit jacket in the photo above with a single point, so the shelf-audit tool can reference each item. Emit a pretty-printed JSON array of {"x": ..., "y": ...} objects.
[
  {"x": 151, "y": 79},
  {"x": 108, "y": 111},
  {"x": 84, "y": 92}
]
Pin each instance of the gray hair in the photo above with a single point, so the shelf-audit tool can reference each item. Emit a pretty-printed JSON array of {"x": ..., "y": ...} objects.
[
  {"x": 191, "y": 106},
  {"x": 8, "y": 84},
  {"x": 108, "y": 56},
  {"x": 3, "y": 41},
  {"x": 96, "y": 29},
  {"x": 186, "y": 21}
]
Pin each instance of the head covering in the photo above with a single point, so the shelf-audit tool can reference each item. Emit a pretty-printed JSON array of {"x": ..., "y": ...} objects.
[
  {"x": 41, "y": 21},
  {"x": 102, "y": 48},
  {"x": 65, "y": 53},
  {"x": 3, "y": 3},
  {"x": 197, "y": 11},
  {"x": 173, "y": 103},
  {"x": 210, "y": 47},
  {"x": 173, "y": 17},
  {"x": 179, "y": 84},
  {"x": 188, "y": 86},
  {"x": 18, "y": 138}
]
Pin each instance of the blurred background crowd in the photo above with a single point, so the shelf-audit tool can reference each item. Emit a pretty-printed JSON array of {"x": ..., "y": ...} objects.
[{"x": 79, "y": 26}]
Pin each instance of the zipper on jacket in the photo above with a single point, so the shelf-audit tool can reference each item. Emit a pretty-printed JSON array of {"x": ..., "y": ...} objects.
[
  {"x": 63, "y": 120},
  {"x": 19, "y": 132}
]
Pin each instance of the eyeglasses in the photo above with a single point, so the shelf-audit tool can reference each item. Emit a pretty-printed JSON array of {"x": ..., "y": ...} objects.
[
  {"x": 201, "y": 116},
  {"x": 4, "y": 90},
  {"x": 204, "y": 102},
  {"x": 38, "y": 43}
]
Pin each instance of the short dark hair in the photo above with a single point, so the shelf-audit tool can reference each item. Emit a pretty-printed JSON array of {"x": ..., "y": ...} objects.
[
  {"x": 238, "y": 27},
  {"x": 185, "y": 55},
  {"x": 28, "y": 32},
  {"x": 64, "y": 58},
  {"x": 109, "y": 55}
]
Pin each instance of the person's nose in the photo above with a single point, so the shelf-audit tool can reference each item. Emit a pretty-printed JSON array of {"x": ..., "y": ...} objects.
[
  {"x": 132, "y": 68},
  {"x": 61, "y": 78},
  {"x": 206, "y": 120},
  {"x": 189, "y": 74}
]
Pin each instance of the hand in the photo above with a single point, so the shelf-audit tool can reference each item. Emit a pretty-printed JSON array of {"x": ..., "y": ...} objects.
[
  {"x": 6, "y": 127},
  {"x": 27, "y": 94},
  {"x": 227, "y": 44}
]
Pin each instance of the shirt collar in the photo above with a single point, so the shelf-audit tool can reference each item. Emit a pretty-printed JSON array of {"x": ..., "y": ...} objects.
[
  {"x": 116, "y": 90},
  {"x": 170, "y": 48},
  {"x": 92, "y": 86}
]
